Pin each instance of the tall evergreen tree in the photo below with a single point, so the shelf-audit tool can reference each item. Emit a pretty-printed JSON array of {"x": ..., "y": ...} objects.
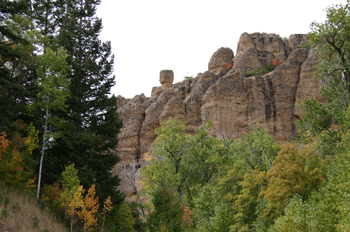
[
  {"x": 12, "y": 89},
  {"x": 91, "y": 124}
]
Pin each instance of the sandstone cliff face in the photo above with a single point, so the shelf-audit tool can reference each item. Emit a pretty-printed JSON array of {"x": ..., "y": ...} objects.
[{"x": 233, "y": 102}]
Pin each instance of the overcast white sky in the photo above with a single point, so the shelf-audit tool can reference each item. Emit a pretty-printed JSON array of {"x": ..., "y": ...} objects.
[{"x": 151, "y": 35}]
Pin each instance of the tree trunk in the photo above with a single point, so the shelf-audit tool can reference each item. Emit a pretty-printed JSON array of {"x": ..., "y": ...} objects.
[{"x": 43, "y": 146}]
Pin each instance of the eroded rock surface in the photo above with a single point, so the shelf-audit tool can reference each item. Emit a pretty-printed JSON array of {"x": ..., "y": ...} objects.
[{"x": 233, "y": 102}]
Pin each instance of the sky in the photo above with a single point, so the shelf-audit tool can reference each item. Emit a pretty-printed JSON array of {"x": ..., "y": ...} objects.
[{"x": 182, "y": 35}]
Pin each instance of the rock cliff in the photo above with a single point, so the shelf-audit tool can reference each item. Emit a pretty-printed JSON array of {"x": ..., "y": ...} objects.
[{"x": 222, "y": 95}]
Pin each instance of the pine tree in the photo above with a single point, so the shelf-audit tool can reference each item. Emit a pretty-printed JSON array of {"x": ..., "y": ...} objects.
[
  {"x": 89, "y": 134},
  {"x": 12, "y": 89}
]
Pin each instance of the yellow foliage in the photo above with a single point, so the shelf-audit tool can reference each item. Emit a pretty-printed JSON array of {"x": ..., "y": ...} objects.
[
  {"x": 107, "y": 206},
  {"x": 89, "y": 209},
  {"x": 294, "y": 171},
  {"x": 77, "y": 201}
]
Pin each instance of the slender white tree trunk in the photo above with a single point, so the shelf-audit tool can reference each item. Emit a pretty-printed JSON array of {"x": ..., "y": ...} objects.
[
  {"x": 71, "y": 221},
  {"x": 103, "y": 222},
  {"x": 43, "y": 146}
]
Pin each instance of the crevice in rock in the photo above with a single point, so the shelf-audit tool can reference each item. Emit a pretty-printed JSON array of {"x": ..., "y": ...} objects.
[
  {"x": 138, "y": 151},
  {"x": 294, "y": 131}
]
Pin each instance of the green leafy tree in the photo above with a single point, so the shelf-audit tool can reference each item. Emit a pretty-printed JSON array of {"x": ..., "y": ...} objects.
[
  {"x": 205, "y": 154},
  {"x": 12, "y": 90},
  {"x": 91, "y": 123},
  {"x": 121, "y": 219},
  {"x": 75, "y": 204},
  {"x": 247, "y": 201},
  {"x": 294, "y": 171},
  {"x": 326, "y": 209},
  {"x": 53, "y": 91},
  {"x": 255, "y": 151},
  {"x": 243, "y": 177},
  {"x": 167, "y": 212},
  {"x": 331, "y": 40},
  {"x": 211, "y": 212},
  {"x": 168, "y": 167},
  {"x": 70, "y": 183}
]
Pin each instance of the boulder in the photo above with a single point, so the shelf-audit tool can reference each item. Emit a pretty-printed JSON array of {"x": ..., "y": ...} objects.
[
  {"x": 221, "y": 56},
  {"x": 166, "y": 77}
]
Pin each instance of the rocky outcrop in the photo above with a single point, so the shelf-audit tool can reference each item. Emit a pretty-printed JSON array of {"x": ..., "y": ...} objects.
[{"x": 222, "y": 95}]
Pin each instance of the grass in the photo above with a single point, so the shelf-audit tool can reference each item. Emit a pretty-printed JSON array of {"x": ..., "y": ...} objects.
[
  {"x": 260, "y": 71},
  {"x": 20, "y": 212}
]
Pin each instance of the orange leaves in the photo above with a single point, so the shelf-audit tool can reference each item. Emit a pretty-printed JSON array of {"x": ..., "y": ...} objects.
[
  {"x": 11, "y": 159},
  {"x": 89, "y": 208},
  {"x": 277, "y": 63},
  {"x": 187, "y": 216},
  {"x": 12, "y": 45},
  {"x": 228, "y": 66},
  {"x": 52, "y": 193},
  {"x": 4, "y": 143}
]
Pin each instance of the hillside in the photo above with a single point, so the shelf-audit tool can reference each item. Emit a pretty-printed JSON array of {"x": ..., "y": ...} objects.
[{"x": 20, "y": 212}]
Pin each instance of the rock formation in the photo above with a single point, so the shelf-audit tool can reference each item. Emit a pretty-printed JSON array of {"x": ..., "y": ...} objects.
[{"x": 227, "y": 98}]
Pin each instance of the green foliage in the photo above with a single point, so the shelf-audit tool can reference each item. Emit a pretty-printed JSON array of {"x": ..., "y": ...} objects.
[
  {"x": 325, "y": 121},
  {"x": 211, "y": 213},
  {"x": 304, "y": 44},
  {"x": 140, "y": 224},
  {"x": 256, "y": 150},
  {"x": 13, "y": 88},
  {"x": 51, "y": 82},
  {"x": 260, "y": 71},
  {"x": 249, "y": 198},
  {"x": 35, "y": 222},
  {"x": 326, "y": 209},
  {"x": 294, "y": 171},
  {"x": 167, "y": 212},
  {"x": 70, "y": 183},
  {"x": 168, "y": 167},
  {"x": 4, "y": 213},
  {"x": 91, "y": 123},
  {"x": 122, "y": 219}
]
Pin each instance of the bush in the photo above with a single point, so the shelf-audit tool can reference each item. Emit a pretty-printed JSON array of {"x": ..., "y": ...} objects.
[
  {"x": 304, "y": 44},
  {"x": 260, "y": 71},
  {"x": 4, "y": 213}
]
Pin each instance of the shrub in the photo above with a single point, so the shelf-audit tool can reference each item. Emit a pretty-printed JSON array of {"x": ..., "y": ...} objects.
[
  {"x": 36, "y": 222},
  {"x": 7, "y": 200},
  {"x": 4, "y": 213},
  {"x": 260, "y": 71},
  {"x": 304, "y": 44},
  {"x": 228, "y": 66},
  {"x": 277, "y": 63}
]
